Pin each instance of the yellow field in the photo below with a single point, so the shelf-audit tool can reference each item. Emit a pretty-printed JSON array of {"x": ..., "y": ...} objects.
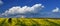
[{"x": 29, "y": 22}]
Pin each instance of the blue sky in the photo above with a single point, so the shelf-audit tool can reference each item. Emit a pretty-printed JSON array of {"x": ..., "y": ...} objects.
[{"x": 49, "y": 6}]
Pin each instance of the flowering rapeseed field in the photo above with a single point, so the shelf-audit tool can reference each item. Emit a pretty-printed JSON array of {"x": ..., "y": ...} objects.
[{"x": 29, "y": 22}]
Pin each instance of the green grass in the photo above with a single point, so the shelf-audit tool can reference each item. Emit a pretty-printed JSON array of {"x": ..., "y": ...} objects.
[{"x": 29, "y": 22}]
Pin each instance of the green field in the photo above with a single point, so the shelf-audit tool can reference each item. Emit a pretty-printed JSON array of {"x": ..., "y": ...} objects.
[{"x": 29, "y": 22}]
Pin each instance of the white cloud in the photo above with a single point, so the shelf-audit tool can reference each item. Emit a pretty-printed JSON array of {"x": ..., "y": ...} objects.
[
  {"x": 23, "y": 10},
  {"x": 1, "y": 2},
  {"x": 55, "y": 10}
]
